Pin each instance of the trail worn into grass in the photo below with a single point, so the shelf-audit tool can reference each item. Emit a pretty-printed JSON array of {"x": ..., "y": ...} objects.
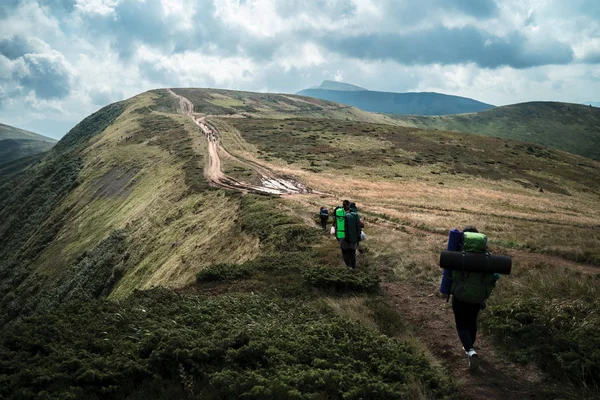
[
  {"x": 433, "y": 323},
  {"x": 270, "y": 182}
]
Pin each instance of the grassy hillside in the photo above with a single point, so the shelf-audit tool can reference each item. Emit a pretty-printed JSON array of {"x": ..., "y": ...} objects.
[
  {"x": 125, "y": 274},
  {"x": 569, "y": 127},
  {"x": 17, "y": 143},
  {"x": 398, "y": 103}
]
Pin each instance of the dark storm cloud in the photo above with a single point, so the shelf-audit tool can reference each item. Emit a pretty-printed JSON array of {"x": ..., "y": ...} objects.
[
  {"x": 16, "y": 46},
  {"x": 46, "y": 74},
  {"x": 451, "y": 46}
]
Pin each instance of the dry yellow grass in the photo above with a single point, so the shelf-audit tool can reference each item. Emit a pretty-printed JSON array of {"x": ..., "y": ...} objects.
[{"x": 353, "y": 308}]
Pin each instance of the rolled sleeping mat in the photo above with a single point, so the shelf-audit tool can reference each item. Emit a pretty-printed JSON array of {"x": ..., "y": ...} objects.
[
  {"x": 475, "y": 262},
  {"x": 455, "y": 238}
]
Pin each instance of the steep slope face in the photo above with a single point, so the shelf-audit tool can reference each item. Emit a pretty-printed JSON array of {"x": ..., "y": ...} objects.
[
  {"x": 127, "y": 174},
  {"x": 563, "y": 126},
  {"x": 399, "y": 103},
  {"x": 17, "y": 143}
]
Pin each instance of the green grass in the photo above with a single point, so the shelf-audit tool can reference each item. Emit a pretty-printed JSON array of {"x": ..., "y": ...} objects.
[
  {"x": 549, "y": 315},
  {"x": 166, "y": 133},
  {"x": 15, "y": 149},
  {"x": 345, "y": 145},
  {"x": 10, "y": 132},
  {"x": 562, "y": 126},
  {"x": 90, "y": 126}
]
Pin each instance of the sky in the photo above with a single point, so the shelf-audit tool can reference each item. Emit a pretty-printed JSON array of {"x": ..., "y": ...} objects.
[{"x": 61, "y": 60}]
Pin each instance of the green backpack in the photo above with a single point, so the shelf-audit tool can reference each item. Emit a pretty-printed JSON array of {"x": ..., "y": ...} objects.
[
  {"x": 473, "y": 287},
  {"x": 340, "y": 223}
]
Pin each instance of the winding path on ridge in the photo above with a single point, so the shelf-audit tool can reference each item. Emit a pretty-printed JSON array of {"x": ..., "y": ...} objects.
[{"x": 270, "y": 183}]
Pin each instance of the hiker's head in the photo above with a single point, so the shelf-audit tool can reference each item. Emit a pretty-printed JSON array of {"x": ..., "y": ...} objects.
[
  {"x": 322, "y": 208},
  {"x": 352, "y": 207},
  {"x": 470, "y": 229},
  {"x": 346, "y": 203}
]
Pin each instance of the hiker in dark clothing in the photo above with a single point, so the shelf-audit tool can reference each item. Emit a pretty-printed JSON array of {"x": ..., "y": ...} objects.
[
  {"x": 324, "y": 216},
  {"x": 350, "y": 242},
  {"x": 465, "y": 316}
]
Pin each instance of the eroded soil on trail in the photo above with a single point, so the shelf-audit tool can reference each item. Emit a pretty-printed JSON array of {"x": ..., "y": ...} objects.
[{"x": 270, "y": 182}]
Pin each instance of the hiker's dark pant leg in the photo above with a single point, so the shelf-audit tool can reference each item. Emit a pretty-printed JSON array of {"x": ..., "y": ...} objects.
[
  {"x": 349, "y": 257},
  {"x": 465, "y": 316},
  {"x": 324, "y": 223},
  {"x": 352, "y": 257},
  {"x": 346, "y": 256},
  {"x": 348, "y": 253}
]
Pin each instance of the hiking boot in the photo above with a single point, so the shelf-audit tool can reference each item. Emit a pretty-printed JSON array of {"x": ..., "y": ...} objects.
[{"x": 473, "y": 360}]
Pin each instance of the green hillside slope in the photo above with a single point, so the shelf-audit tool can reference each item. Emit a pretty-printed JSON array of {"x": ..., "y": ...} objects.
[
  {"x": 563, "y": 126},
  {"x": 17, "y": 143},
  {"x": 148, "y": 255},
  {"x": 395, "y": 103}
]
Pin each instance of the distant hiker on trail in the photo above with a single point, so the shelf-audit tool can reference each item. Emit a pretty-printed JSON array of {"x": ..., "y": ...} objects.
[
  {"x": 469, "y": 290},
  {"x": 324, "y": 216},
  {"x": 348, "y": 232}
]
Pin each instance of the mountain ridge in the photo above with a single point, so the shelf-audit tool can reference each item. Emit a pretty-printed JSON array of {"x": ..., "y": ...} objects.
[
  {"x": 16, "y": 143},
  {"x": 420, "y": 103}
]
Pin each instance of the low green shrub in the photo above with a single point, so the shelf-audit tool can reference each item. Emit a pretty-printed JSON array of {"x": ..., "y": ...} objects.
[
  {"x": 224, "y": 272},
  {"x": 161, "y": 345},
  {"x": 562, "y": 336},
  {"x": 277, "y": 229},
  {"x": 549, "y": 316},
  {"x": 341, "y": 279}
]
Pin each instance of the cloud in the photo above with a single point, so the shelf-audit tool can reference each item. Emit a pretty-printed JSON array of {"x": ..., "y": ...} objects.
[
  {"x": 17, "y": 46},
  {"x": 451, "y": 46},
  {"x": 476, "y": 8},
  {"x": 47, "y": 74},
  {"x": 34, "y": 66},
  {"x": 335, "y": 9}
]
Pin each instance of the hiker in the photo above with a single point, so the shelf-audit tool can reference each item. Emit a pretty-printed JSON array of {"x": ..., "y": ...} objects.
[
  {"x": 469, "y": 292},
  {"x": 324, "y": 216},
  {"x": 352, "y": 235}
]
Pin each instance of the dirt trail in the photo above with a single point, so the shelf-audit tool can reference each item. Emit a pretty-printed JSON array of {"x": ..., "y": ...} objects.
[
  {"x": 433, "y": 323},
  {"x": 270, "y": 182}
]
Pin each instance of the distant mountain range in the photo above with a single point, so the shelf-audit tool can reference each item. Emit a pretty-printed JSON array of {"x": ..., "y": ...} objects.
[
  {"x": 426, "y": 103},
  {"x": 17, "y": 143}
]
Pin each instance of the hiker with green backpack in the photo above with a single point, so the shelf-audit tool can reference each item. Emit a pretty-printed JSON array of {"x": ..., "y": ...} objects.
[
  {"x": 469, "y": 292},
  {"x": 348, "y": 231}
]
